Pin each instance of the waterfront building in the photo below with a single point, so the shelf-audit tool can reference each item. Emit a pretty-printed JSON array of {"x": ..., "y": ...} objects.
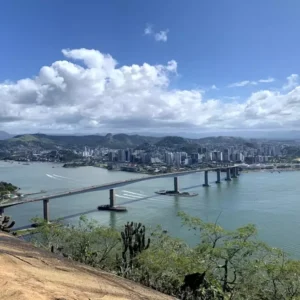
[
  {"x": 112, "y": 156},
  {"x": 169, "y": 158},
  {"x": 177, "y": 158},
  {"x": 209, "y": 156},
  {"x": 195, "y": 158},
  {"x": 121, "y": 155}
]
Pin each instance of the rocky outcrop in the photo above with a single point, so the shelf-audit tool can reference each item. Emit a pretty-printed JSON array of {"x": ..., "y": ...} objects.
[{"x": 30, "y": 273}]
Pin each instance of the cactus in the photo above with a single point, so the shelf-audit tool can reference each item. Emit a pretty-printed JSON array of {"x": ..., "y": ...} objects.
[
  {"x": 134, "y": 242},
  {"x": 4, "y": 223}
]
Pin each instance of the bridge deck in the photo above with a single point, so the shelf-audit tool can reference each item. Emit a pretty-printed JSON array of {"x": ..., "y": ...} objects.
[{"x": 105, "y": 186}]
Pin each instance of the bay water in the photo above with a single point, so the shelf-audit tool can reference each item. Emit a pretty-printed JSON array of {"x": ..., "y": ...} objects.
[{"x": 271, "y": 201}]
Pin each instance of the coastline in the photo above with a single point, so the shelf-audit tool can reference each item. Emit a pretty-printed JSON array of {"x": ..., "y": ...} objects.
[
  {"x": 270, "y": 170},
  {"x": 104, "y": 166}
]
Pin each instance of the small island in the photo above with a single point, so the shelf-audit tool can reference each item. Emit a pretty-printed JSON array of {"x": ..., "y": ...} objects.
[
  {"x": 175, "y": 193},
  {"x": 8, "y": 191}
]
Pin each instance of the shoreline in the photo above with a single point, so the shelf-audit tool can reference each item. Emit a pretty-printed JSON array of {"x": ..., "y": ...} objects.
[
  {"x": 271, "y": 170},
  {"x": 244, "y": 170}
]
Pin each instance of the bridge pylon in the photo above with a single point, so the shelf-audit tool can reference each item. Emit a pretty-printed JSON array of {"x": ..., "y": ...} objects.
[
  {"x": 218, "y": 176},
  {"x": 46, "y": 210},
  {"x": 228, "y": 175},
  {"x": 205, "y": 178},
  {"x": 112, "y": 198},
  {"x": 234, "y": 172},
  {"x": 176, "y": 186}
]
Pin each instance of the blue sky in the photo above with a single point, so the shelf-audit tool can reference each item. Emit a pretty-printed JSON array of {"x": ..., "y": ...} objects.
[{"x": 213, "y": 42}]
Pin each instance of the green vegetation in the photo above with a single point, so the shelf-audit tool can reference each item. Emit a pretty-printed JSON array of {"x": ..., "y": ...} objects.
[
  {"x": 55, "y": 141},
  {"x": 224, "y": 264},
  {"x": 117, "y": 141},
  {"x": 170, "y": 141},
  {"x": 6, "y": 188},
  {"x": 29, "y": 140}
]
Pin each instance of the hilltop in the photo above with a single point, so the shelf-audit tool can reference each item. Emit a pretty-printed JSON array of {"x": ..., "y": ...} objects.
[
  {"x": 116, "y": 141},
  {"x": 32, "y": 273}
]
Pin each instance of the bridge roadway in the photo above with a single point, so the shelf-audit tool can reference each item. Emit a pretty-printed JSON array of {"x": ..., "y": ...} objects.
[{"x": 106, "y": 186}]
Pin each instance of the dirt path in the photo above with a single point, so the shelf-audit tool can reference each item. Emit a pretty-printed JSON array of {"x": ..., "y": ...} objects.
[{"x": 30, "y": 273}]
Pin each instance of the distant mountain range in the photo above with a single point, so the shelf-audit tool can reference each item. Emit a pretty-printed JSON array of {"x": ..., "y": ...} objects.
[
  {"x": 4, "y": 135},
  {"x": 116, "y": 141},
  {"x": 248, "y": 134}
]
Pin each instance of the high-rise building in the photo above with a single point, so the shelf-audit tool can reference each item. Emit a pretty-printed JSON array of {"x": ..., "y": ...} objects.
[
  {"x": 239, "y": 157},
  {"x": 177, "y": 158},
  {"x": 169, "y": 158},
  {"x": 217, "y": 156},
  {"x": 226, "y": 154},
  {"x": 209, "y": 156},
  {"x": 111, "y": 156},
  {"x": 195, "y": 158},
  {"x": 220, "y": 156},
  {"x": 121, "y": 155},
  {"x": 202, "y": 150}
]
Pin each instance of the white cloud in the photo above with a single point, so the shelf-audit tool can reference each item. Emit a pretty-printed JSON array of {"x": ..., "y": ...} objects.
[
  {"x": 161, "y": 36},
  {"x": 268, "y": 80},
  {"x": 213, "y": 87},
  {"x": 95, "y": 95},
  {"x": 242, "y": 83},
  {"x": 148, "y": 30},
  {"x": 248, "y": 82},
  {"x": 292, "y": 81}
]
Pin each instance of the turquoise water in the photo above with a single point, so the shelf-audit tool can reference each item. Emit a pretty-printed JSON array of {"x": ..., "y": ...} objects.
[{"x": 268, "y": 200}]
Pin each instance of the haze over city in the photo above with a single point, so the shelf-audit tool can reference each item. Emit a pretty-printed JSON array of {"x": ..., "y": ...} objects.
[{"x": 150, "y": 69}]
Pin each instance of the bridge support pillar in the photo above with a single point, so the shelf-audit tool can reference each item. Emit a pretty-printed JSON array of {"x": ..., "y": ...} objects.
[
  {"x": 112, "y": 198},
  {"x": 205, "y": 178},
  {"x": 228, "y": 176},
  {"x": 218, "y": 176},
  {"x": 46, "y": 209},
  {"x": 1, "y": 211},
  {"x": 176, "y": 189},
  {"x": 234, "y": 172},
  {"x": 237, "y": 171}
]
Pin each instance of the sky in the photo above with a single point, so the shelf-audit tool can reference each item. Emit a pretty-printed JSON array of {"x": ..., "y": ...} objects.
[{"x": 149, "y": 66}]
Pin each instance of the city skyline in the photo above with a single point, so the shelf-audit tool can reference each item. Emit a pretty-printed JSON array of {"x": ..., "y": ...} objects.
[{"x": 198, "y": 68}]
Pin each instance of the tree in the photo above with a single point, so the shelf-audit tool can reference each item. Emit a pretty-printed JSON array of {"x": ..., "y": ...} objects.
[
  {"x": 245, "y": 267},
  {"x": 88, "y": 242},
  {"x": 225, "y": 265}
]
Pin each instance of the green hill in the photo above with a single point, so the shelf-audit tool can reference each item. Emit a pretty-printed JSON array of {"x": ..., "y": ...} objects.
[
  {"x": 70, "y": 141},
  {"x": 117, "y": 141},
  {"x": 171, "y": 141}
]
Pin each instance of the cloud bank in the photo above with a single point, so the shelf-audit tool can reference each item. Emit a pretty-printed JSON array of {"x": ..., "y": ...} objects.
[{"x": 89, "y": 92}]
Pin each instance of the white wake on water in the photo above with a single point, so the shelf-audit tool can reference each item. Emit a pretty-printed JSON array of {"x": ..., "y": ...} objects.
[
  {"x": 121, "y": 196},
  {"x": 137, "y": 194},
  {"x": 50, "y": 176},
  {"x": 132, "y": 196}
]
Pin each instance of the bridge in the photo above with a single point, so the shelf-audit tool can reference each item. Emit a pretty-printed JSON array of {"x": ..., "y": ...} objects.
[{"x": 231, "y": 172}]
